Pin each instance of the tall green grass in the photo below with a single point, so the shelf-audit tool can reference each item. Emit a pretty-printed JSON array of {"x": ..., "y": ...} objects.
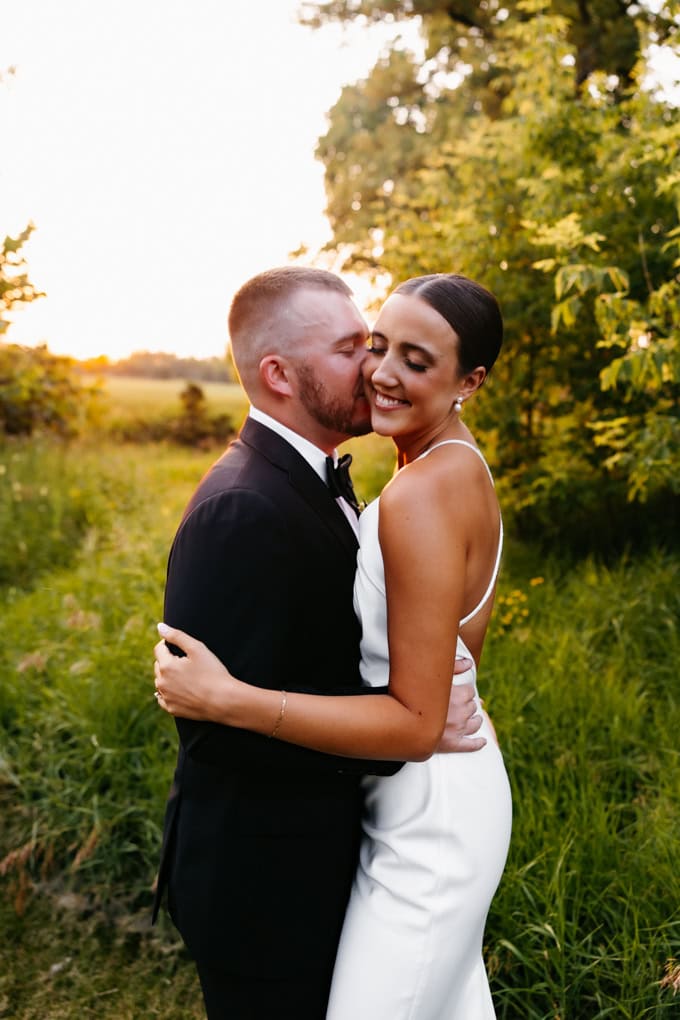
[
  {"x": 79, "y": 730},
  {"x": 50, "y": 500},
  {"x": 585, "y": 692},
  {"x": 579, "y": 673}
]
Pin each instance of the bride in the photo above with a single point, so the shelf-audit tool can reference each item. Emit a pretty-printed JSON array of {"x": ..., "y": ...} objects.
[{"x": 436, "y": 834}]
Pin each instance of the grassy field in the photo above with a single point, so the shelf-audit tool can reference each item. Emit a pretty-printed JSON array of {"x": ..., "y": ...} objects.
[
  {"x": 580, "y": 674},
  {"x": 133, "y": 396}
]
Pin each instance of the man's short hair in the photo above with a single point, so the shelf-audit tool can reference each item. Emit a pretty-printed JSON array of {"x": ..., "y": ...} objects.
[{"x": 257, "y": 315}]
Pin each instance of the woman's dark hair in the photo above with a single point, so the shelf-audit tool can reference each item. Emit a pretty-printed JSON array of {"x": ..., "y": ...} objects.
[{"x": 471, "y": 311}]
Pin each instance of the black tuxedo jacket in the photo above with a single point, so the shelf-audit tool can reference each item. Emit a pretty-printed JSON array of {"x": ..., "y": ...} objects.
[{"x": 261, "y": 837}]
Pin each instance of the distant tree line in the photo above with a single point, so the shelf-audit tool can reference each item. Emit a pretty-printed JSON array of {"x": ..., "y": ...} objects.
[
  {"x": 41, "y": 392},
  {"x": 160, "y": 365}
]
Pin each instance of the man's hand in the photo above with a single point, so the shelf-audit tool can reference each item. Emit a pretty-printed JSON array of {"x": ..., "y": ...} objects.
[{"x": 463, "y": 719}]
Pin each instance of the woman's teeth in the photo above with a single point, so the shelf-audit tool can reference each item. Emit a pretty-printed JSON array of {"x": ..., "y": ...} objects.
[{"x": 382, "y": 401}]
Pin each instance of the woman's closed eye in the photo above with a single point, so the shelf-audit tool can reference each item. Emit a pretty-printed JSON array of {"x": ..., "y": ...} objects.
[{"x": 379, "y": 350}]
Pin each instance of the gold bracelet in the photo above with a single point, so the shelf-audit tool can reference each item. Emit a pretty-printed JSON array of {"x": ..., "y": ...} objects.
[{"x": 282, "y": 712}]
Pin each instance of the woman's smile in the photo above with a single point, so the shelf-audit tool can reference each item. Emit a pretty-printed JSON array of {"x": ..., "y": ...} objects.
[{"x": 386, "y": 403}]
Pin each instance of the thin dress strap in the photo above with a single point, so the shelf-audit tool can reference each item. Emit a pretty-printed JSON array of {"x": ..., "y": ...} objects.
[{"x": 494, "y": 576}]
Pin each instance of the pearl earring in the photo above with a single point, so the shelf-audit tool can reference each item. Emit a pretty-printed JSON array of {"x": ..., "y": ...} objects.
[{"x": 458, "y": 405}]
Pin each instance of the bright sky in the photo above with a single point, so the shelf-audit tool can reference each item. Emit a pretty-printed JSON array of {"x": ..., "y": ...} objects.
[{"x": 164, "y": 150}]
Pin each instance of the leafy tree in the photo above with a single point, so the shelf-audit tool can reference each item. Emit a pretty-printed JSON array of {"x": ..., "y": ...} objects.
[
  {"x": 561, "y": 196},
  {"x": 38, "y": 390},
  {"x": 15, "y": 287},
  {"x": 41, "y": 392},
  {"x": 193, "y": 423},
  {"x": 605, "y": 35}
]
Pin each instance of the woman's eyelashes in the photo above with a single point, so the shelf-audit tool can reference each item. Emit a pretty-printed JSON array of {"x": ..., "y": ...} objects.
[
  {"x": 378, "y": 351},
  {"x": 415, "y": 366}
]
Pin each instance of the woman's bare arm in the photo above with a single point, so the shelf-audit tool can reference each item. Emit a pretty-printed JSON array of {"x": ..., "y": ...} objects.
[{"x": 424, "y": 554}]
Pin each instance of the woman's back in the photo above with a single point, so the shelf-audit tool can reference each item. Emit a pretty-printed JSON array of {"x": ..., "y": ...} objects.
[
  {"x": 484, "y": 539},
  {"x": 484, "y": 543}
]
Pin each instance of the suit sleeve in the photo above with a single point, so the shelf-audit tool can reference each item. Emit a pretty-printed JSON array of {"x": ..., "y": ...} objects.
[{"x": 227, "y": 585}]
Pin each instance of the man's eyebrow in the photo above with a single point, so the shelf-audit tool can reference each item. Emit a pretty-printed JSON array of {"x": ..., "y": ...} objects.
[{"x": 351, "y": 338}]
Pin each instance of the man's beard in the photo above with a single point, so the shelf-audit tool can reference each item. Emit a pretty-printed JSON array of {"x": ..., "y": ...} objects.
[{"x": 335, "y": 415}]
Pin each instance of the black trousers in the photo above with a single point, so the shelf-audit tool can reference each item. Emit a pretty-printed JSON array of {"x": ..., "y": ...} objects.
[{"x": 239, "y": 998}]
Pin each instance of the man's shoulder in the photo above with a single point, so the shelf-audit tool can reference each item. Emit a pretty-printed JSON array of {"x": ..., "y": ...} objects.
[
  {"x": 260, "y": 481},
  {"x": 241, "y": 467},
  {"x": 235, "y": 489}
]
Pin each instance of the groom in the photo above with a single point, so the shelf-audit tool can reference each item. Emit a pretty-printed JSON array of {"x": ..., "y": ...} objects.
[{"x": 261, "y": 837}]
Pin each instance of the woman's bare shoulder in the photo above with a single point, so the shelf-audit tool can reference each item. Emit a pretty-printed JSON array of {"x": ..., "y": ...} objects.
[{"x": 438, "y": 476}]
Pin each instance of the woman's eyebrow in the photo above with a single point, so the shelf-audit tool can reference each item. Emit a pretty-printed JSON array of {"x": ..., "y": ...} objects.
[{"x": 408, "y": 345}]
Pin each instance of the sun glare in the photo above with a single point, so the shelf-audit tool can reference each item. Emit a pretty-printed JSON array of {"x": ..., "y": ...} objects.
[{"x": 165, "y": 153}]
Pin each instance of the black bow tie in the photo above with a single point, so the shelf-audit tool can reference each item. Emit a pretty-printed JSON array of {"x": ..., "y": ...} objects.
[{"x": 339, "y": 481}]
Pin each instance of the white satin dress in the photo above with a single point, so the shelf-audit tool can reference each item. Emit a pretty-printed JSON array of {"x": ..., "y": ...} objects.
[{"x": 435, "y": 840}]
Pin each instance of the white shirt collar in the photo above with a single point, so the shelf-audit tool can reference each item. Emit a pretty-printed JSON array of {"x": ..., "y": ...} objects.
[{"x": 315, "y": 457}]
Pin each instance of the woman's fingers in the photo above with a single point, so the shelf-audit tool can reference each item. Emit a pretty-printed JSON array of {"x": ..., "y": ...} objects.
[
  {"x": 179, "y": 638},
  {"x": 163, "y": 660},
  {"x": 189, "y": 684},
  {"x": 162, "y": 703}
]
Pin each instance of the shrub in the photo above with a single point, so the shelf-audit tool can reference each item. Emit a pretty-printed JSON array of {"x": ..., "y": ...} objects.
[{"x": 42, "y": 392}]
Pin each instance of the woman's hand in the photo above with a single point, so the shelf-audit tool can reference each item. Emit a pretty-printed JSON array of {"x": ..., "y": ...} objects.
[{"x": 194, "y": 686}]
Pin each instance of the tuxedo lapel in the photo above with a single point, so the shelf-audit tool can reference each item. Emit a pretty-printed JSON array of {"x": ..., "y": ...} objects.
[{"x": 303, "y": 478}]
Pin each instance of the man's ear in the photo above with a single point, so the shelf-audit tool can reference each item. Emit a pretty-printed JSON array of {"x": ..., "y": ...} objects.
[{"x": 276, "y": 375}]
